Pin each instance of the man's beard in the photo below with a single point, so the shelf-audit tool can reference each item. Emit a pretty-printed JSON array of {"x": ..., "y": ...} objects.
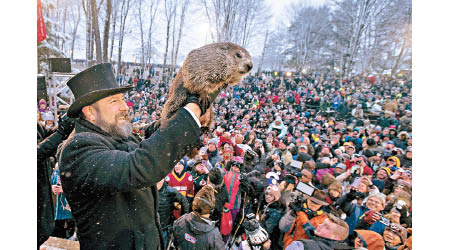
[{"x": 122, "y": 131}]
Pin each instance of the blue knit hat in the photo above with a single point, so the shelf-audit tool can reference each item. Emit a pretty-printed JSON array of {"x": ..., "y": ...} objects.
[{"x": 184, "y": 162}]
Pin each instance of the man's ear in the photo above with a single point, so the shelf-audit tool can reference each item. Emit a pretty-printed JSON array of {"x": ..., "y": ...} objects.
[{"x": 89, "y": 113}]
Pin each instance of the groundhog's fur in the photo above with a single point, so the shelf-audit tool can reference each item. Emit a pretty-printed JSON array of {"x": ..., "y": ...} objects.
[{"x": 204, "y": 71}]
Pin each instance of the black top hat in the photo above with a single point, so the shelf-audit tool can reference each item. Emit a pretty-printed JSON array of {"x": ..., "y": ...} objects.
[{"x": 91, "y": 85}]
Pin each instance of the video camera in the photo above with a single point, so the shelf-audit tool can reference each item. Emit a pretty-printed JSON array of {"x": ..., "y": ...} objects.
[{"x": 297, "y": 204}]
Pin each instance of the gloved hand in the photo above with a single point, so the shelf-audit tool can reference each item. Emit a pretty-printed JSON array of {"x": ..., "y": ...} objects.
[
  {"x": 351, "y": 195},
  {"x": 66, "y": 125},
  {"x": 205, "y": 102},
  {"x": 370, "y": 217}
]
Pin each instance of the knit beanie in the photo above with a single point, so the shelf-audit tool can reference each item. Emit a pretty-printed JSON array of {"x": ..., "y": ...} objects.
[
  {"x": 387, "y": 170},
  {"x": 204, "y": 201},
  {"x": 184, "y": 162}
]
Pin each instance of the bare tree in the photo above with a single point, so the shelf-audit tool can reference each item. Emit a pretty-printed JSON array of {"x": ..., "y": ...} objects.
[
  {"x": 153, "y": 8},
  {"x": 141, "y": 28},
  {"x": 307, "y": 34},
  {"x": 169, "y": 11},
  {"x": 177, "y": 33},
  {"x": 74, "y": 16},
  {"x": 98, "y": 43},
  {"x": 123, "y": 17},
  {"x": 261, "y": 62},
  {"x": 114, "y": 21},
  {"x": 235, "y": 21},
  {"x": 106, "y": 30}
]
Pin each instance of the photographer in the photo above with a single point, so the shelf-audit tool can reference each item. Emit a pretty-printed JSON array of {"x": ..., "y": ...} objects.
[
  {"x": 167, "y": 197},
  {"x": 330, "y": 234},
  {"x": 369, "y": 211},
  {"x": 303, "y": 217},
  {"x": 271, "y": 213}
]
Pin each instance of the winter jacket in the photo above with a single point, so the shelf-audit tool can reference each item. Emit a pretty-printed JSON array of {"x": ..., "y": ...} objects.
[
  {"x": 317, "y": 243},
  {"x": 109, "y": 182},
  {"x": 167, "y": 196},
  {"x": 199, "y": 180},
  {"x": 191, "y": 232},
  {"x": 297, "y": 232},
  {"x": 214, "y": 157},
  {"x": 272, "y": 215},
  {"x": 281, "y": 128},
  {"x": 45, "y": 149}
]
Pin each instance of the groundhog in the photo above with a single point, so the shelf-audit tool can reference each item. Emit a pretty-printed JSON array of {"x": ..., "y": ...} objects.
[{"x": 204, "y": 71}]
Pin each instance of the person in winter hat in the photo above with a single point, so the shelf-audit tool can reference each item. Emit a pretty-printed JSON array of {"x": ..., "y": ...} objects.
[
  {"x": 215, "y": 179},
  {"x": 334, "y": 192},
  {"x": 196, "y": 230},
  {"x": 212, "y": 153},
  {"x": 381, "y": 176},
  {"x": 271, "y": 212},
  {"x": 181, "y": 180},
  {"x": 368, "y": 240},
  {"x": 168, "y": 196},
  {"x": 279, "y": 127},
  {"x": 394, "y": 236},
  {"x": 199, "y": 174}
]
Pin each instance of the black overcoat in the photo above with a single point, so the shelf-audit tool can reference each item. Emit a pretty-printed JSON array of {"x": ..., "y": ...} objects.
[{"x": 110, "y": 182}]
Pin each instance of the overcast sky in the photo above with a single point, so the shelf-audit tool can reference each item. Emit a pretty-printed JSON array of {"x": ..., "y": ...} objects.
[{"x": 195, "y": 32}]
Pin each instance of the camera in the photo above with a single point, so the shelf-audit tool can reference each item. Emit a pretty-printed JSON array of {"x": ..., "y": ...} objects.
[
  {"x": 290, "y": 179},
  {"x": 384, "y": 220}
]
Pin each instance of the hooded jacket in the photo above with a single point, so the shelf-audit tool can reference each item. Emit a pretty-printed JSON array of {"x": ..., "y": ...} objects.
[
  {"x": 370, "y": 239},
  {"x": 110, "y": 182},
  {"x": 280, "y": 127},
  {"x": 191, "y": 232}
]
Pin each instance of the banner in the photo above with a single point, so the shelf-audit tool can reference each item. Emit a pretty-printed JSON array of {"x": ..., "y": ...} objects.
[{"x": 41, "y": 33}]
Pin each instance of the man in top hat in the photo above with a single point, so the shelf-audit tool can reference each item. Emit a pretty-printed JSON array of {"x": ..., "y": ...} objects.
[{"x": 108, "y": 175}]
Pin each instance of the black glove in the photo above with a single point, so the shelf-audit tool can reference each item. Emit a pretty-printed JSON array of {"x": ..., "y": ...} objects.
[
  {"x": 351, "y": 195},
  {"x": 296, "y": 206},
  {"x": 66, "y": 125},
  {"x": 204, "y": 103}
]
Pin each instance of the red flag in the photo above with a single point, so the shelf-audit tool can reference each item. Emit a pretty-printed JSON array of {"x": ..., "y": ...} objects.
[{"x": 41, "y": 33}]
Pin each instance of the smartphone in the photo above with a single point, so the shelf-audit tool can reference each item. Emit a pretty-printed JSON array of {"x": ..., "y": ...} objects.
[{"x": 356, "y": 182}]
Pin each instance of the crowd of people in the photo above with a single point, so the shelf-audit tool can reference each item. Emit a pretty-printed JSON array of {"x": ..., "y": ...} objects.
[{"x": 308, "y": 161}]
